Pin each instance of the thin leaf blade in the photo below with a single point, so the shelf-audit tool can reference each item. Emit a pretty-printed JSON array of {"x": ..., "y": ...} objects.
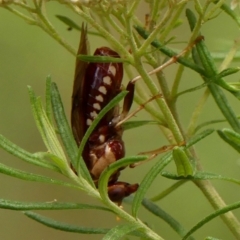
[
  {"x": 147, "y": 181},
  {"x": 173, "y": 223},
  {"x": 31, "y": 177},
  {"x": 62, "y": 124},
  {"x": 20, "y": 206},
  {"x": 64, "y": 226},
  {"x": 36, "y": 158},
  {"x": 120, "y": 231}
]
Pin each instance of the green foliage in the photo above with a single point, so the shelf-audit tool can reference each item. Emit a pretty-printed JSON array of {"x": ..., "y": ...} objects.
[{"x": 140, "y": 45}]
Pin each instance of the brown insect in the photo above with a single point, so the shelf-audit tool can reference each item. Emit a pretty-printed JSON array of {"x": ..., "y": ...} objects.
[{"x": 95, "y": 85}]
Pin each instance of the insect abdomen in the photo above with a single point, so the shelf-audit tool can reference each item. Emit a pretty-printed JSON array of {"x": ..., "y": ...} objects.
[{"x": 102, "y": 84}]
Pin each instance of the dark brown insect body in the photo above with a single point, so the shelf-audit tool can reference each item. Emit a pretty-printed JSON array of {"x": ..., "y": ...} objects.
[{"x": 95, "y": 85}]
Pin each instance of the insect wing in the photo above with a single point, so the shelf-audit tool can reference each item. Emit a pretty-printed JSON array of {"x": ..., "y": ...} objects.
[{"x": 77, "y": 120}]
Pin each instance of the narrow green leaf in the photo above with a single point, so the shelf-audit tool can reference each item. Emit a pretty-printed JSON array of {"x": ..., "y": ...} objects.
[
  {"x": 233, "y": 14},
  {"x": 64, "y": 226},
  {"x": 227, "y": 72},
  {"x": 35, "y": 110},
  {"x": 201, "y": 176},
  {"x": 199, "y": 137},
  {"x": 20, "y": 206},
  {"x": 231, "y": 137},
  {"x": 58, "y": 162},
  {"x": 51, "y": 138},
  {"x": 103, "y": 180},
  {"x": 73, "y": 25},
  {"x": 157, "y": 211},
  {"x": 48, "y": 99},
  {"x": 208, "y": 123},
  {"x": 157, "y": 168},
  {"x": 46, "y": 129},
  {"x": 71, "y": 228},
  {"x": 193, "y": 89},
  {"x": 32, "y": 177},
  {"x": 147, "y": 181},
  {"x": 221, "y": 55},
  {"x": 134, "y": 124},
  {"x": 174, "y": 176},
  {"x": 170, "y": 53},
  {"x": 209, "y": 73},
  {"x": 36, "y": 159},
  {"x": 63, "y": 126},
  {"x": 182, "y": 161},
  {"x": 110, "y": 105},
  {"x": 167, "y": 191},
  {"x": 211, "y": 217},
  {"x": 66, "y": 134},
  {"x": 211, "y": 176},
  {"x": 227, "y": 86},
  {"x": 101, "y": 59},
  {"x": 68, "y": 22},
  {"x": 120, "y": 231}
]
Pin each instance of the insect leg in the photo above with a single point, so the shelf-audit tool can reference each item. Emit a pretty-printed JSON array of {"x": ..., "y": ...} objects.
[{"x": 126, "y": 117}]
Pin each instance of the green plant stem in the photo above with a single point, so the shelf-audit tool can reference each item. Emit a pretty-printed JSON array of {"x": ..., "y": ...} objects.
[
  {"x": 230, "y": 56},
  {"x": 177, "y": 79},
  {"x": 131, "y": 39},
  {"x": 210, "y": 72},
  {"x": 233, "y": 14},
  {"x": 206, "y": 186},
  {"x": 43, "y": 23},
  {"x": 154, "y": 10},
  {"x": 173, "y": 21},
  {"x": 176, "y": 82},
  {"x": 24, "y": 6},
  {"x": 161, "y": 103},
  {"x": 164, "y": 86},
  {"x": 215, "y": 8},
  {"x": 173, "y": 223},
  {"x": 170, "y": 53},
  {"x": 155, "y": 32},
  {"x": 133, "y": 7},
  {"x": 21, "y": 15},
  {"x": 217, "y": 203},
  {"x": 151, "y": 110},
  {"x": 85, "y": 185},
  {"x": 196, "y": 113},
  {"x": 116, "y": 26},
  {"x": 110, "y": 38},
  {"x": 142, "y": 97},
  {"x": 224, "y": 106},
  {"x": 48, "y": 28},
  {"x": 142, "y": 226}
]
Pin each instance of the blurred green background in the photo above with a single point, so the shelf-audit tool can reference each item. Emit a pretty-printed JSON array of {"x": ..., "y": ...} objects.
[{"x": 27, "y": 56}]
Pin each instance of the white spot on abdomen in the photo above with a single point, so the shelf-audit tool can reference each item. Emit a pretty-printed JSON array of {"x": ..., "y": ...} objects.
[
  {"x": 97, "y": 106},
  {"x": 107, "y": 80},
  {"x": 93, "y": 114},
  {"x": 99, "y": 98},
  {"x": 113, "y": 70},
  {"x": 102, "y": 138},
  {"x": 89, "y": 122},
  {"x": 103, "y": 90}
]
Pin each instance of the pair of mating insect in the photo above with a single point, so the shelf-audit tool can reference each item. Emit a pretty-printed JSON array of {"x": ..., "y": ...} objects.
[{"x": 95, "y": 85}]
